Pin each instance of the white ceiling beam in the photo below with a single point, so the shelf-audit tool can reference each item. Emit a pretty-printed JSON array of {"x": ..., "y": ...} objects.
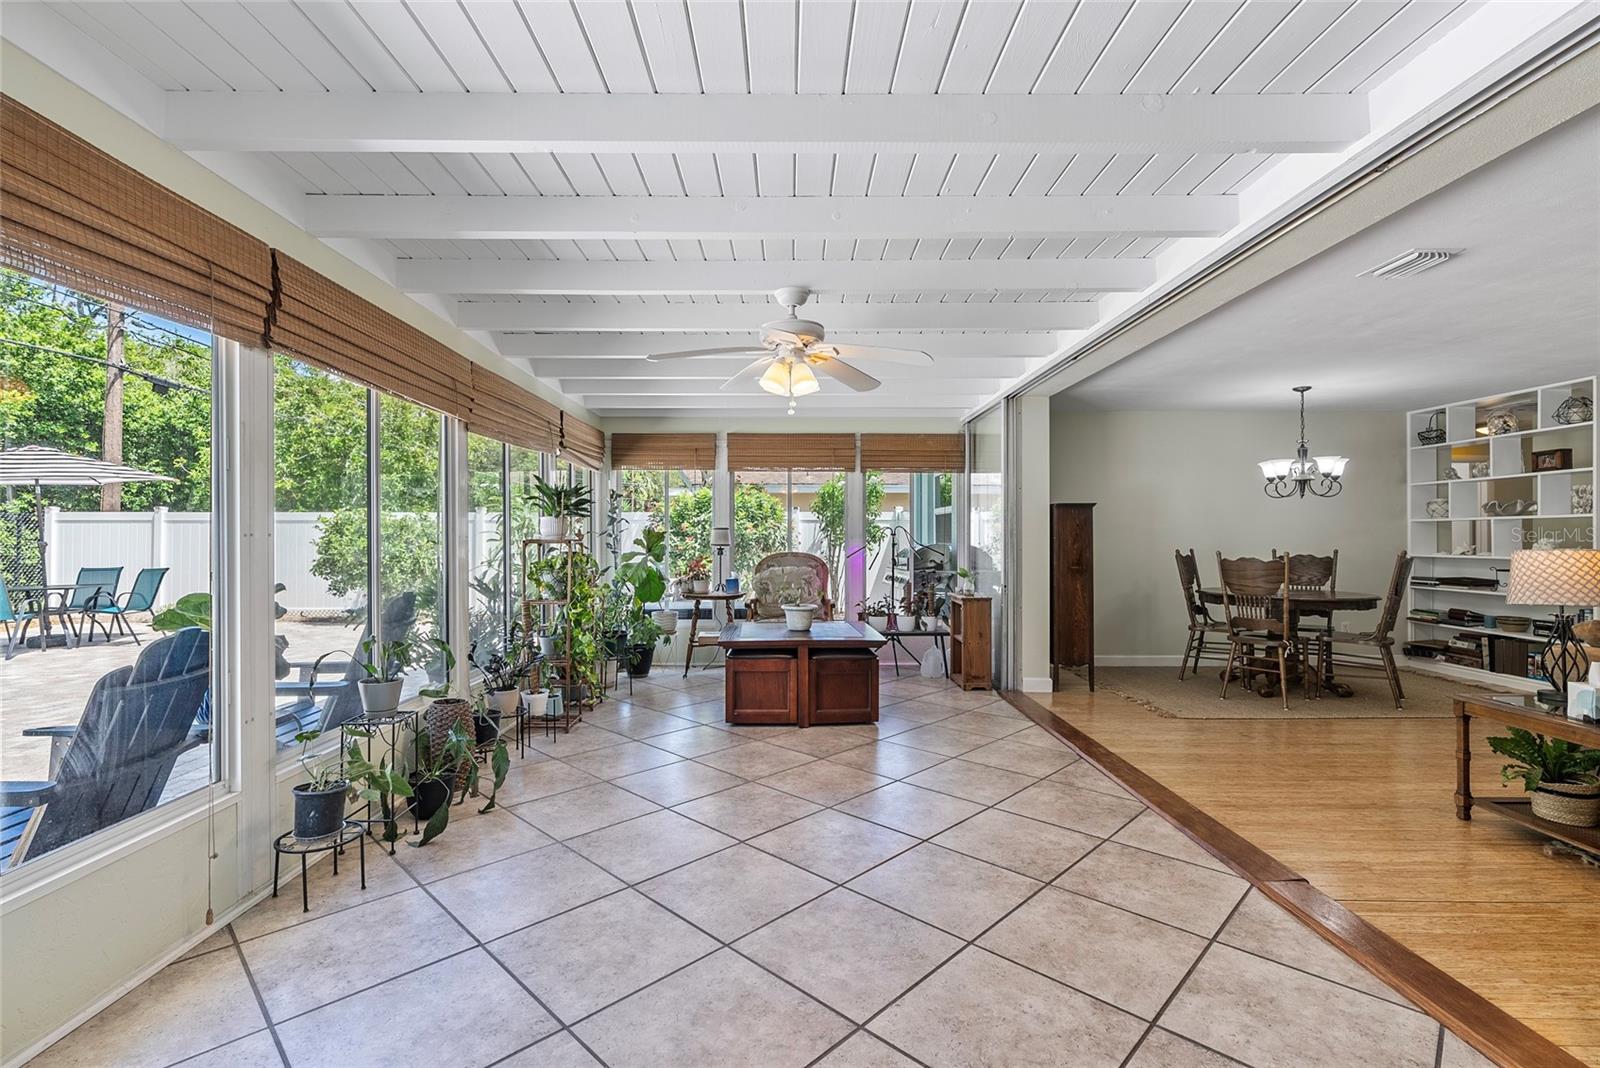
[
  {"x": 631, "y": 346},
  {"x": 541, "y": 122},
  {"x": 833, "y": 397},
  {"x": 677, "y": 387},
  {"x": 718, "y": 368},
  {"x": 552, "y": 277},
  {"x": 555, "y": 315},
  {"x": 668, "y": 218}
]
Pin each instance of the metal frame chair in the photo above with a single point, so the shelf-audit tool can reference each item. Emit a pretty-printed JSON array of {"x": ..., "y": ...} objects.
[
  {"x": 95, "y": 586},
  {"x": 141, "y": 598}
]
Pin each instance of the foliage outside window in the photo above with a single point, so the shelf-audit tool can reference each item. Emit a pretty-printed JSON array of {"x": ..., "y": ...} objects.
[
  {"x": 410, "y": 525},
  {"x": 487, "y": 631}
]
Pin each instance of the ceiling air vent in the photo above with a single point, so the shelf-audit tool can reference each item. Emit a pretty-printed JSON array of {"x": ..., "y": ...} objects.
[{"x": 1412, "y": 261}]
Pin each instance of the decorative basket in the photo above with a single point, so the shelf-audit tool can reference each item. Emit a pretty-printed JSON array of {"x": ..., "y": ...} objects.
[
  {"x": 1575, "y": 409},
  {"x": 1571, "y": 803},
  {"x": 1434, "y": 434},
  {"x": 439, "y": 718}
]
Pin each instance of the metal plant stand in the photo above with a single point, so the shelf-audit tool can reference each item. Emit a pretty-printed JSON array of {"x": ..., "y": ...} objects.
[
  {"x": 352, "y": 831},
  {"x": 389, "y": 728},
  {"x": 539, "y": 613}
]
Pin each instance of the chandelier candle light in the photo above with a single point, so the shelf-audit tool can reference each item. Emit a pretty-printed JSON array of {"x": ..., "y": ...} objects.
[
  {"x": 1564, "y": 578},
  {"x": 1294, "y": 478}
]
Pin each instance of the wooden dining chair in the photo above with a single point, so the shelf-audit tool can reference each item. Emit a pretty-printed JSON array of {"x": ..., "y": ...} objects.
[
  {"x": 1372, "y": 651},
  {"x": 1201, "y": 625},
  {"x": 1255, "y": 605}
]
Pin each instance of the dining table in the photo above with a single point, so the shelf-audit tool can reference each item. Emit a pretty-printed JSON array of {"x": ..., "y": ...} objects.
[
  {"x": 39, "y": 594},
  {"x": 1319, "y": 602}
]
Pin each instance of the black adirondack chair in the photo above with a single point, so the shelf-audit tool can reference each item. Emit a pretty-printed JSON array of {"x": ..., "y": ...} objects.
[
  {"x": 115, "y": 763},
  {"x": 337, "y": 699}
]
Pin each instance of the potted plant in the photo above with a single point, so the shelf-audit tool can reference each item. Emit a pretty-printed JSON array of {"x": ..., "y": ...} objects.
[
  {"x": 380, "y": 689},
  {"x": 698, "y": 576},
  {"x": 558, "y": 505},
  {"x": 964, "y": 581},
  {"x": 880, "y": 614},
  {"x": 641, "y": 571},
  {"x": 503, "y": 673},
  {"x": 536, "y": 700},
  {"x": 1562, "y": 777},
  {"x": 451, "y": 762},
  {"x": 319, "y": 801},
  {"x": 378, "y": 783}
]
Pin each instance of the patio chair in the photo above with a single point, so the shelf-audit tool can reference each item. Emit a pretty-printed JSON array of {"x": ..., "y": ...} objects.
[
  {"x": 15, "y": 622},
  {"x": 116, "y": 761},
  {"x": 139, "y": 599},
  {"x": 96, "y": 587},
  {"x": 338, "y": 700}
]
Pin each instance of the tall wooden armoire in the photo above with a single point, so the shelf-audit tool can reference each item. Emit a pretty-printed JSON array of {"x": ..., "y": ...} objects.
[{"x": 1071, "y": 589}]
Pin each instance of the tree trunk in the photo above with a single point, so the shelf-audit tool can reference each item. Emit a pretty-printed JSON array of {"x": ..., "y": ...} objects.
[{"x": 111, "y": 436}]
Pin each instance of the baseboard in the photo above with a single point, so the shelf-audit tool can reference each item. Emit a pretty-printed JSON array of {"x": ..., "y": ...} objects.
[
  {"x": 1118, "y": 660},
  {"x": 1036, "y": 685}
]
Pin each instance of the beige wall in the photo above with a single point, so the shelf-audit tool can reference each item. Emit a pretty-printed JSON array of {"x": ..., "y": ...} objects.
[{"x": 1164, "y": 480}]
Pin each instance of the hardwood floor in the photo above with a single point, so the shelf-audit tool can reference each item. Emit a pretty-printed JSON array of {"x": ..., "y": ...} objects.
[{"x": 1362, "y": 809}]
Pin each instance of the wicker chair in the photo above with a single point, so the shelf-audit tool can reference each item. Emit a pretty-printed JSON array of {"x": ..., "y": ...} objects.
[
  {"x": 788, "y": 578},
  {"x": 1257, "y": 612},
  {"x": 1379, "y": 639},
  {"x": 1201, "y": 625}
]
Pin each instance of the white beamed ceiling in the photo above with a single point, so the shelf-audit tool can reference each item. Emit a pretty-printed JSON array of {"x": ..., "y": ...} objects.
[{"x": 583, "y": 183}]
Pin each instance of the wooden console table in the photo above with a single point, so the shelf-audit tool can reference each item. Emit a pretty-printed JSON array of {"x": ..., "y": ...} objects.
[
  {"x": 828, "y": 674},
  {"x": 1525, "y": 711}
]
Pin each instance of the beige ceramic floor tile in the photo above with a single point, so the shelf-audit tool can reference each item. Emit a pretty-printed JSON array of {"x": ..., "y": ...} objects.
[
  {"x": 975, "y": 782},
  {"x": 1260, "y": 927},
  {"x": 819, "y": 741},
  {"x": 949, "y": 890},
  {"x": 1085, "y": 775},
  {"x": 825, "y": 782},
  {"x": 580, "y": 739},
  {"x": 1033, "y": 848},
  {"x": 863, "y": 1050},
  {"x": 710, "y": 712},
  {"x": 560, "y": 1050},
  {"x": 979, "y": 722},
  {"x": 1264, "y": 1013},
  {"x": 980, "y": 1011},
  {"x": 1021, "y": 757},
  {"x": 733, "y": 892},
  {"x": 1037, "y": 735},
  {"x": 911, "y": 809},
  {"x": 639, "y": 848},
  {"x": 1162, "y": 1049},
  {"x": 583, "y": 960},
  {"x": 833, "y": 845},
  {"x": 887, "y": 726},
  {"x": 588, "y": 808},
  {"x": 673, "y": 784},
  {"x": 252, "y": 1051},
  {"x": 1130, "y": 961},
  {"x": 849, "y": 951},
  {"x": 1185, "y": 895},
  {"x": 937, "y": 738},
  {"x": 888, "y": 759},
  {"x": 397, "y": 934},
  {"x": 493, "y": 1017},
  {"x": 755, "y": 760},
  {"x": 697, "y": 740},
  {"x": 748, "y": 810},
  {"x": 502, "y": 897},
  {"x": 720, "y": 1011},
  {"x": 221, "y": 938},
  {"x": 1078, "y": 810},
  {"x": 472, "y": 840},
  {"x": 158, "y": 1022},
  {"x": 1150, "y": 832},
  {"x": 1457, "y": 1054},
  {"x": 533, "y": 781},
  {"x": 329, "y": 893},
  {"x": 615, "y": 761},
  {"x": 637, "y": 722},
  {"x": 913, "y": 710}
]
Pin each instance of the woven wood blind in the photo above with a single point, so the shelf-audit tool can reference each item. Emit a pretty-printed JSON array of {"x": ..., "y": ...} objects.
[
  {"x": 585, "y": 445},
  {"x": 503, "y": 410},
  {"x": 326, "y": 324},
  {"x": 689, "y": 451},
  {"x": 913, "y": 452},
  {"x": 815, "y": 452},
  {"x": 74, "y": 215}
]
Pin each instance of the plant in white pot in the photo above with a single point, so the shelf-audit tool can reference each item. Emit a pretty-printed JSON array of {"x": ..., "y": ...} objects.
[
  {"x": 536, "y": 701},
  {"x": 558, "y": 505},
  {"x": 503, "y": 673},
  {"x": 1563, "y": 778},
  {"x": 385, "y": 664}
]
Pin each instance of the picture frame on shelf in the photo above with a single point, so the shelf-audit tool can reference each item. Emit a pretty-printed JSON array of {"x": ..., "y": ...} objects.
[{"x": 1552, "y": 460}]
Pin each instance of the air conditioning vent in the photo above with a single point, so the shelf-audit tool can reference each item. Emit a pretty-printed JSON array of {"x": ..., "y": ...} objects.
[{"x": 1412, "y": 261}]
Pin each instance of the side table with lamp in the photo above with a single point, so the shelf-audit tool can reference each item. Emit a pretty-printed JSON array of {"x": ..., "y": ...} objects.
[{"x": 1564, "y": 578}]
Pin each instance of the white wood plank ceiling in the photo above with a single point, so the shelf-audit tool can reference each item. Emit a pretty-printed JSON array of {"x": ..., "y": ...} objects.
[{"x": 587, "y": 182}]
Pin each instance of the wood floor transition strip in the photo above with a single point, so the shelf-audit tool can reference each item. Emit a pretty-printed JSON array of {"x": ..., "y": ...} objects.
[{"x": 1474, "y": 1019}]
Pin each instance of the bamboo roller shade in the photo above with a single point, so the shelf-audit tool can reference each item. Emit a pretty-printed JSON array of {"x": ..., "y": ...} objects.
[
  {"x": 496, "y": 411},
  {"x": 73, "y": 215},
  {"x": 582, "y": 444},
  {"x": 913, "y": 452},
  {"x": 820, "y": 452},
  {"x": 687, "y": 451}
]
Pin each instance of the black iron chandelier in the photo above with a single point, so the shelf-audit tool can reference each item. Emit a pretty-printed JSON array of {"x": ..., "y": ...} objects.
[{"x": 1319, "y": 475}]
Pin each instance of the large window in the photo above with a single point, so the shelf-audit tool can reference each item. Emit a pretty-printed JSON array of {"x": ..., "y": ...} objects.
[
  {"x": 760, "y": 517},
  {"x": 487, "y": 588},
  {"x": 99, "y": 566},
  {"x": 675, "y": 500},
  {"x": 910, "y": 532},
  {"x": 791, "y": 510},
  {"x": 411, "y": 536}
]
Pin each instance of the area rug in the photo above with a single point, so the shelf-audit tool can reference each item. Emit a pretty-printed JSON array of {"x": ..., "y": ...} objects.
[{"x": 1158, "y": 689}]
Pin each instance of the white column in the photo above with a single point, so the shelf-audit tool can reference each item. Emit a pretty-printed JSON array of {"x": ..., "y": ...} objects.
[
  {"x": 1030, "y": 478},
  {"x": 457, "y": 501},
  {"x": 854, "y": 559},
  {"x": 722, "y": 507}
]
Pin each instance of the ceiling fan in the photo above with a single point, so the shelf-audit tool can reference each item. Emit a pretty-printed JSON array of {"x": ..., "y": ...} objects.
[{"x": 790, "y": 348}]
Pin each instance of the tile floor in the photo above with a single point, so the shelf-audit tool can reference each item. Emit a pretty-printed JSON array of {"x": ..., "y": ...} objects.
[{"x": 951, "y": 886}]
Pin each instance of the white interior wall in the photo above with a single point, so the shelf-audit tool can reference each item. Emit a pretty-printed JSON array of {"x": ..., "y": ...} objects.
[{"x": 1165, "y": 480}]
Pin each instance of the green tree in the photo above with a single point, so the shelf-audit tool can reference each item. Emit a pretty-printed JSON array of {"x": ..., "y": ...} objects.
[
  {"x": 828, "y": 506},
  {"x": 761, "y": 526}
]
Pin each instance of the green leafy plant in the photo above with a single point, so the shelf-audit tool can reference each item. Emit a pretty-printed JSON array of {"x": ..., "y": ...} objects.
[
  {"x": 447, "y": 657},
  {"x": 503, "y": 671},
  {"x": 391, "y": 660},
  {"x": 1537, "y": 759},
  {"x": 557, "y": 500},
  {"x": 377, "y": 784},
  {"x": 322, "y": 770},
  {"x": 641, "y": 567},
  {"x": 458, "y": 763},
  {"x": 190, "y": 610}
]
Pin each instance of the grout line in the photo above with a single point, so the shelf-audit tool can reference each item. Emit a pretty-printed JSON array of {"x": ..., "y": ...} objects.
[{"x": 261, "y": 1002}]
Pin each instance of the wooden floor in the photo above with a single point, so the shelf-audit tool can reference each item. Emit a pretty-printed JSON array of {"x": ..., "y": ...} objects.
[{"x": 1362, "y": 809}]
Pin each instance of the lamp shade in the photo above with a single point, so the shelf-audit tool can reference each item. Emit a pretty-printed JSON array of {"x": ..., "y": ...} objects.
[
  {"x": 719, "y": 536},
  {"x": 1555, "y": 576},
  {"x": 1275, "y": 468}
]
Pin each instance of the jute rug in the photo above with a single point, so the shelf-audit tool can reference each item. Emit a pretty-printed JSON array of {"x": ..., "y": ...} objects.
[{"x": 1158, "y": 689}]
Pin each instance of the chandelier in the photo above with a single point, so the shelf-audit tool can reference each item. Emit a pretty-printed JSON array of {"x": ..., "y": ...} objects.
[{"x": 1294, "y": 478}]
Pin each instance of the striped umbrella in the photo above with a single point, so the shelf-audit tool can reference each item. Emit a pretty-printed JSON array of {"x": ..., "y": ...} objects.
[{"x": 39, "y": 466}]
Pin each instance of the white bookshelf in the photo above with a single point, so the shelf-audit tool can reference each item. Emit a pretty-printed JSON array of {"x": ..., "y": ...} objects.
[{"x": 1479, "y": 477}]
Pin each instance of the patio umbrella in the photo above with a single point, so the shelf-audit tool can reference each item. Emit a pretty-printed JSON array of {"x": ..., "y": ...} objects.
[{"x": 39, "y": 466}]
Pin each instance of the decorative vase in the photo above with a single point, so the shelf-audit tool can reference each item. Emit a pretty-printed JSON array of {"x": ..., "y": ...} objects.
[
  {"x": 1574, "y": 804},
  {"x": 318, "y": 813},
  {"x": 667, "y": 620},
  {"x": 1575, "y": 409},
  {"x": 799, "y": 616},
  {"x": 1502, "y": 421},
  {"x": 553, "y": 527},
  {"x": 1583, "y": 499},
  {"x": 1478, "y": 469},
  {"x": 379, "y": 697}
]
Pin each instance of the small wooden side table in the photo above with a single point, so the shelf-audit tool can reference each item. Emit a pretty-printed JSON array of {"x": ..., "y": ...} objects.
[
  {"x": 1525, "y": 711},
  {"x": 695, "y": 640}
]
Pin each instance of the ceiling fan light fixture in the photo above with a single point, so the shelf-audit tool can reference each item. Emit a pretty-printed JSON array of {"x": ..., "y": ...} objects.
[
  {"x": 802, "y": 380},
  {"x": 775, "y": 380}
]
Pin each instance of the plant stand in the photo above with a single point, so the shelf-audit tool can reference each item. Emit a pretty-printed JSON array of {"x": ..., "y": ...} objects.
[
  {"x": 352, "y": 831},
  {"x": 388, "y": 728},
  {"x": 538, "y": 612}
]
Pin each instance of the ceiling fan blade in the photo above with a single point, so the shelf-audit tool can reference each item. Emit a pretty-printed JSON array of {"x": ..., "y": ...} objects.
[
  {"x": 913, "y": 357},
  {"x": 744, "y": 372},
  {"x": 689, "y": 354},
  {"x": 856, "y": 379}
]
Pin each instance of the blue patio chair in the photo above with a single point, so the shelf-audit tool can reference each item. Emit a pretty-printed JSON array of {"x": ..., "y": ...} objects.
[
  {"x": 139, "y": 599},
  {"x": 337, "y": 699},
  {"x": 96, "y": 587},
  {"x": 115, "y": 763},
  {"x": 16, "y": 623}
]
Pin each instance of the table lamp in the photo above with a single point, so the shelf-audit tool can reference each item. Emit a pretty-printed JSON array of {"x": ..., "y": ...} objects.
[
  {"x": 1559, "y": 577},
  {"x": 720, "y": 540}
]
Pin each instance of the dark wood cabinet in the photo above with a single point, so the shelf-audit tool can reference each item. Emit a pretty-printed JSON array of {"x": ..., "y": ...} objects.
[
  {"x": 762, "y": 688},
  {"x": 971, "y": 652},
  {"x": 1071, "y": 589},
  {"x": 844, "y": 688}
]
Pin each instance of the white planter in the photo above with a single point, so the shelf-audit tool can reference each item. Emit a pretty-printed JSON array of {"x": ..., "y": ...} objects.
[
  {"x": 799, "y": 616},
  {"x": 553, "y": 526},
  {"x": 504, "y": 702},
  {"x": 700, "y": 586},
  {"x": 667, "y": 620},
  {"x": 379, "y": 696},
  {"x": 534, "y": 701},
  {"x": 547, "y": 645}
]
